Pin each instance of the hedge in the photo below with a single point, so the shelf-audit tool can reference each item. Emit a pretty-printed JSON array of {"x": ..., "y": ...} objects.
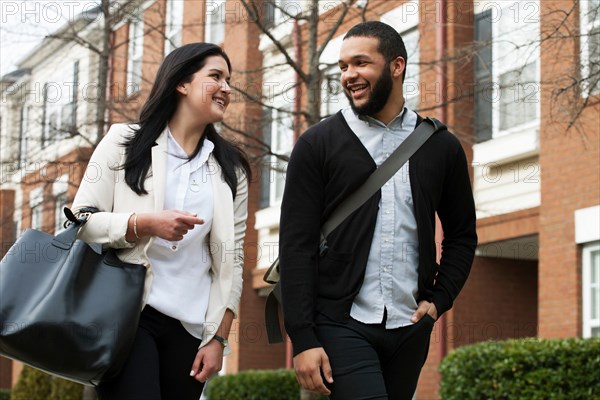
[
  {"x": 278, "y": 384},
  {"x": 4, "y": 394},
  {"x": 34, "y": 384},
  {"x": 533, "y": 369}
]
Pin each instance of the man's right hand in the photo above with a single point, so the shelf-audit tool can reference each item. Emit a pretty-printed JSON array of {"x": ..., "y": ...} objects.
[{"x": 308, "y": 366}]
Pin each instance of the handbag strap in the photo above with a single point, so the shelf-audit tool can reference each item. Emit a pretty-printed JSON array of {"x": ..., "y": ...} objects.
[
  {"x": 381, "y": 175},
  {"x": 65, "y": 239}
]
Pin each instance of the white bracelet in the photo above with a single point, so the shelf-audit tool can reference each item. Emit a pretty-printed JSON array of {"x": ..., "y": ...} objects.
[{"x": 135, "y": 226}]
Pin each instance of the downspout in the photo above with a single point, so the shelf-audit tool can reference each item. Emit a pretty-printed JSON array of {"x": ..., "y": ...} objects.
[
  {"x": 296, "y": 37},
  {"x": 441, "y": 43}
]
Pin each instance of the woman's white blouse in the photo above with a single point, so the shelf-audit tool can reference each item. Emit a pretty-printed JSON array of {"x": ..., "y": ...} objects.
[{"x": 182, "y": 281}]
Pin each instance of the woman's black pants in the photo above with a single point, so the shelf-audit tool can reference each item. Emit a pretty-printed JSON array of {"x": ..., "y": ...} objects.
[{"x": 159, "y": 364}]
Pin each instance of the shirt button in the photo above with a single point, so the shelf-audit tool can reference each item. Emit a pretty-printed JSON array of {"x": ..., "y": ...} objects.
[{"x": 173, "y": 247}]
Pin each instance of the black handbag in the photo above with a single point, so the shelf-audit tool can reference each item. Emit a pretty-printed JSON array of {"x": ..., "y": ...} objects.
[{"x": 66, "y": 307}]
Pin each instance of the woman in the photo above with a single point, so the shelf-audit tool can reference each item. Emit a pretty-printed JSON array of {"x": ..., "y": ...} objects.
[{"x": 172, "y": 195}]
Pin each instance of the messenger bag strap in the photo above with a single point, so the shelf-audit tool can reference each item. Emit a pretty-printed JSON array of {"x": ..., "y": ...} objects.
[{"x": 381, "y": 175}]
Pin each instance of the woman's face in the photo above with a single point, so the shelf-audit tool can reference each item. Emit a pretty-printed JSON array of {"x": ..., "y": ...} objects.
[{"x": 207, "y": 95}]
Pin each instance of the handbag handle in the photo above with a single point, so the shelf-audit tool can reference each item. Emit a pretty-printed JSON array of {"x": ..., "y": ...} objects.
[{"x": 65, "y": 239}]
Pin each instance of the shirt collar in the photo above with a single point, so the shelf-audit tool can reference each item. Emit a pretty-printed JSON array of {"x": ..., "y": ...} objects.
[
  {"x": 397, "y": 122},
  {"x": 174, "y": 149}
]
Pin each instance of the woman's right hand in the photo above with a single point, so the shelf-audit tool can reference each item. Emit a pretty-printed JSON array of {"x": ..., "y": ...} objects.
[{"x": 169, "y": 225}]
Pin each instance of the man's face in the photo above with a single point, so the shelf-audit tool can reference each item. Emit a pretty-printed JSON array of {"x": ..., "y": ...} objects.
[{"x": 366, "y": 76}]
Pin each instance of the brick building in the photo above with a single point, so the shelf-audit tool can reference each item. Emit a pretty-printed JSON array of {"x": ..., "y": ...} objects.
[{"x": 511, "y": 79}]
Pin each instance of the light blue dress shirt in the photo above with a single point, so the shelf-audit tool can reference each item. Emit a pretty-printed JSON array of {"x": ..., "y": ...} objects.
[{"x": 391, "y": 277}]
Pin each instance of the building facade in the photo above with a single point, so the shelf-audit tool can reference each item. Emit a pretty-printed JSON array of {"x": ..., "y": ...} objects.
[{"x": 515, "y": 81}]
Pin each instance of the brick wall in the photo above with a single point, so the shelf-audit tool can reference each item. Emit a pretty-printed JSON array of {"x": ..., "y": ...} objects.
[
  {"x": 569, "y": 173},
  {"x": 7, "y": 201}
]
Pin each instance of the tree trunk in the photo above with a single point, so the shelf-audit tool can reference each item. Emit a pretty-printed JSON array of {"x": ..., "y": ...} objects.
[
  {"x": 313, "y": 103},
  {"x": 103, "y": 71}
]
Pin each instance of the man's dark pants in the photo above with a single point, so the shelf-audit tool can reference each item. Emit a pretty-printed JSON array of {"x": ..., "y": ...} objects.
[{"x": 370, "y": 362}]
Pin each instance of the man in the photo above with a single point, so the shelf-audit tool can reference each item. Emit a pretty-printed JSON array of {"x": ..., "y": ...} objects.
[{"x": 361, "y": 313}]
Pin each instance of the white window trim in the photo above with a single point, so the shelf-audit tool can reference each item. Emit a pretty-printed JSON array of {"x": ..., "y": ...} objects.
[
  {"x": 586, "y": 255},
  {"x": 329, "y": 59},
  {"x": 24, "y": 133},
  {"x": 59, "y": 188},
  {"x": 36, "y": 199},
  {"x": 405, "y": 19},
  {"x": 214, "y": 12},
  {"x": 277, "y": 176},
  {"x": 174, "y": 25},
  {"x": 497, "y": 70},
  {"x": 133, "y": 80},
  {"x": 585, "y": 28}
]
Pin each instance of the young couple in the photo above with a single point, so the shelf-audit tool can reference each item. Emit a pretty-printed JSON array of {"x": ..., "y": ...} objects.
[{"x": 360, "y": 316}]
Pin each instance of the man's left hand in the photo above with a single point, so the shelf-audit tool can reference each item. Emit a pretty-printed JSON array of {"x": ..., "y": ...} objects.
[{"x": 425, "y": 307}]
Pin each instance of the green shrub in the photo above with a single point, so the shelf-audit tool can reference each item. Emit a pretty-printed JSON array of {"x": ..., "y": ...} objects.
[
  {"x": 523, "y": 369},
  {"x": 278, "y": 384},
  {"x": 63, "y": 389},
  {"x": 4, "y": 394},
  {"x": 34, "y": 384}
]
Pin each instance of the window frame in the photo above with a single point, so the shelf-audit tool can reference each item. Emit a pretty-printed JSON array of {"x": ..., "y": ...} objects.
[
  {"x": 36, "y": 206},
  {"x": 587, "y": 252},
  {"x": 214, "y": 22},
  {"x": 135, "y": 53},
  {"x": 586, "y": 27},
  {"x": 280, "y": 137},
  {"x": 174, "y": 25},
  {"x": 24, "y": 133},
  {"x": 500, "y": 66}
]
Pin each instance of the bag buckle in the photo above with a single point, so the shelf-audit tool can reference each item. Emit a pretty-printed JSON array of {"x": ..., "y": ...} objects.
[{"x": 323, "y": 248}]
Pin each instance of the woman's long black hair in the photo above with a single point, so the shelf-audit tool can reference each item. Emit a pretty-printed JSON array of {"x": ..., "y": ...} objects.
[{"x": 178, "y": 67}]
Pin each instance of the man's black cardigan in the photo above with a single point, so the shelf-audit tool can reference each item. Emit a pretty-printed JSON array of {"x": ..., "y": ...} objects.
[{"x": 327, "y": 164}]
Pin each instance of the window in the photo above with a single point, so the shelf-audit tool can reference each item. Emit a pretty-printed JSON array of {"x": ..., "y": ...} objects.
[
  {"x": 590, "y": 46},
  {"x": 591, "y": 289},
  {"x": 134, "y": 56},
  {"x": 36, "y": 203},
  {"x": 333, "y": 98},
  {"x": 518, "y": 96},
  {"x": 24, "y": 134},
  {"x": 279, "y": 11},
  {"x": 174, "y": 25},
  {"x": 72, "y": 106},
  {"x": 215, "y": 22},
  {"x": 60, "y": 202},
  {"x": 515, "y": 52},
  {"x": 405, "y": 19},
  {"x": 282, "y": 135},
  {"x": 45, "y": 133},
  {"x": 483, "y": 76},
  {"x": 59, "y": 108},
  {"x": 411, "y": 80},
  {"x": 59, "y": 190}
]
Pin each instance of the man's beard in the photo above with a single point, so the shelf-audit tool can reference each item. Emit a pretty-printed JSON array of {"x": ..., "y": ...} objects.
[{"x": 380, "y": 93}]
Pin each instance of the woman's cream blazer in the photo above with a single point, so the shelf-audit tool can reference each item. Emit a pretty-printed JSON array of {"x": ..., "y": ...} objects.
[{"x": 104, "y": 187}]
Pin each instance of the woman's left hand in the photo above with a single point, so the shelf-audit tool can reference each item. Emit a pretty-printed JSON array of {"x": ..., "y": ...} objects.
[{"x": 208, "y": 361}]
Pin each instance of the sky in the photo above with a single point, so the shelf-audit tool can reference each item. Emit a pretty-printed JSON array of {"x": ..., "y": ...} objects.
[{"x": 24, "y": 23}]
